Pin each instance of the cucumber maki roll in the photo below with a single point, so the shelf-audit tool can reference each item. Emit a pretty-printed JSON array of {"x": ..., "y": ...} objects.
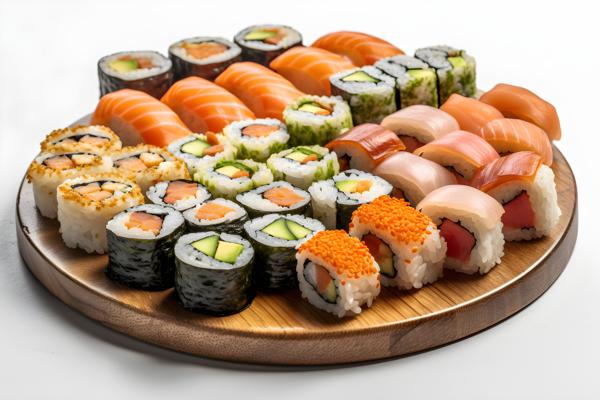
[
  {"x": 303, "y": 165},
  {"x": 416, "y": 83},
  {"x": 203, "y": 56},
  {"x": 228, "y": 178},
  {"x": 262, "y": 43},
  {"x": 179, "y": 194},
  {"x": 277, "y": 197},
  {"x": 218, "y": 215},
  {"x": 213, "y": 272},
  {"x": 455, "y": 70},
  {"x": 370, "y": 93},
  {"x": 200, "y": 151},
  {"x": 334, "y": 200},
  {"x": 274, "y": 238},
  {"x": 140, "y": 246},
  {"x": 316, "y": 119},
  {"x": 257, "y": 138}
]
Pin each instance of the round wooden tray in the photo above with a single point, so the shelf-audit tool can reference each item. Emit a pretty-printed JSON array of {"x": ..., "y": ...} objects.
[{"x": 282, "y": 328}]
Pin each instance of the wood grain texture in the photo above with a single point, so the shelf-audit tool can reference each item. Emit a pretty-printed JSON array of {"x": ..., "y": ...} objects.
[{"x": 284, "y": 329}]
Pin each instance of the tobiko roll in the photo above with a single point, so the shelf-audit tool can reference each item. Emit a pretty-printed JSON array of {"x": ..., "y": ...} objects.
[
  {"x": 180, "y": 194},
  {"x": 257, "y": 138},
  {"x": 95, "y": 138},
  {"x": 217, "y": 215},
  {"x": 203, "y": 56},
  {"x": 303, "y": 165},
  {"x": 278, "y": 197}
]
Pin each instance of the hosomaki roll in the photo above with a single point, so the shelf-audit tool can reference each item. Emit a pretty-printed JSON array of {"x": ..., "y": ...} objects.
[
  {"x": 95, "y": 138},
  {"x": 469, "y": 221},
  {"x": 88, "y": 202},
  {"x": 275, "y": 198},
  {"x": 471, "y": 114},
  {"x": 257, "y": 138},
  {"x": 228, "y": 178},
  {"x": 303, "y": 165},
  {"x": 336, "y": 273},
  {"x": 526, "y": 189},
  {"x": 274, "y": 238},
  {"x": 180, "y": 194},
  {"x": 50, "y": 169},
  {"x": 334, "y": 200},
  {"x": 404, "y": 242},
  {"x": 141, "y": 242},
  {"x": 213, "y": 272},
  {"x": 202, "y": 150},
  {"x": 203, "y": 56},
  {"x": 262, "y": 43},
  {"x": 216, "y": 215}
]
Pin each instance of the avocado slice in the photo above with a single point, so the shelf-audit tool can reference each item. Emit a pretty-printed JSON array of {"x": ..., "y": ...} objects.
[
  {"x": 360, "y": 76},
  {"x": 228, "y": 170},
  {"x": 314, "y": 108},
  {"x": 330, "y": 293},
  {"x": 420, "y": 73},
  {"x": 207, "y": 245},
  {"x": 299, "y": 231},
  {"x": 195, "y": 147},
  {"x": 457, "y": 62},
  {"x": 296, "y": 156},
  {"x": 260, "y": 35},
  {"x": 228, "y": 252},
  {"x": 348, "y": 186},
  {"x": 124, "y": 65},
  {"x": 279, "y": 229}
]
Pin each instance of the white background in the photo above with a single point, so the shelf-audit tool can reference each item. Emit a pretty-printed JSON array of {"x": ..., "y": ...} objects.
[{"x": 48, "y": 53}]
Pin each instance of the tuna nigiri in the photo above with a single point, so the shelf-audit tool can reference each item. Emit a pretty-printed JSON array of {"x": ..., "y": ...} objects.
[
  {"x": 265, "y": 92},
  {"x": 138, "y": 117},
  {"x": 471, "y": 114},
  {"x": 309, "y": 68},
  {"x": 360, "y": 48}
]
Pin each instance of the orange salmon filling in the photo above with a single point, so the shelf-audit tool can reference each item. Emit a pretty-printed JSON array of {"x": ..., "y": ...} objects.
[
  {"x": 211, "y": 211},
  {"x": 259, "y": 130},
  {"x": 363, "y": 186},
  {"x": 282, "y": 196},
  {"x": 95, "y": 140},
  {"x": 204, "y": 49},
  {"x": 212, "y": 150},
  {"x": 65, "y": 162},
  {"x": 94, "y": 191},
  {"x": 179, "y": 190},
  {"x": 140, "y": 162},
  {"x": 144, "y": 221}
]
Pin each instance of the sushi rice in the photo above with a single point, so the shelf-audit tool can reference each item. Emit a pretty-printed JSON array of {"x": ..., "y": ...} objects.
[
  {"x": 258, "y": 148},
  {"x": 285, "y": 166}
]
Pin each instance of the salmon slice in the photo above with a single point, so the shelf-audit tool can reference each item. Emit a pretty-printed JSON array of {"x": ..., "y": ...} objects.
[
  {"x": 133, "y": 164},
  {"x": 309, "y": 158},
  {"x": 144, "y": 221},
  {"x": 204, "y": 106},
  {"x": 212, "y": 150},
  {"x": 241, "y": 173},
  {"x": 471, "y": 114},
  {"x": 520, "y": 166},
  {"x": 424, "y": 123},
  {"x": 360, "y": 48},
  {"x": 309, "y": 68},
  {"x": 138, "y": 117},
  {"x": 283, "y": 196},
  {"x": 265, "y": 92},
  {"x": 87, "y": 189},
  {"x": 518, "y": 213},
  {"x": 212, "y": 211},
  {"x": 99, "y": 195},
  {"x": 323, "y": 280},
  {"x": 204, "y": 49},
  {"x": 459, "y": 240},
  {"x": 179, "y": 190},
  {"x": 259, "y": 130},
  {"x": 59, "y": 163},
  {"x": 211, "y": 138}
]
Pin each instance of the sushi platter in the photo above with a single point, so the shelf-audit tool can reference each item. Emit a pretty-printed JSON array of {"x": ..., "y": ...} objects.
[{"x": 264, "y": 201}]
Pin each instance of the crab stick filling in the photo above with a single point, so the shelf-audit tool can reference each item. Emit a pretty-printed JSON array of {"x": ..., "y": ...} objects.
[
  {"x": 69, "y": 161},
  {"x": 460, "y": 241}
]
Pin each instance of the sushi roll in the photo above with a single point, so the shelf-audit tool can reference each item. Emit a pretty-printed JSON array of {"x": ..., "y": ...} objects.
[
  {"x": 95, "y": 138},
  {"x": 316, "y": 120},
  {"x": 262, "y": 43},
  {"x": 469, "y": 221},
  {"x": 275, "y": 198},
  {"x": 50, "y": 169},
  {"x": 403, "y": 241},
  {"x": 369, "y": 92},
  {"x": 141, "y": 242},
  {"x": 334, "y": 200},
  {"x": 217, "y": 215},
  {"x": 228, "y": 178},
  {"x": 303, "y": 165},
  {"x": 525, "y": 187},
  {"x": 274, "y": 238},
  {"x": 213, "y": 272},
  {"x": 179, "y": 194},
  {"x": 203, "y": 56},
  {"x": 415, "y": 82},
  {"x": 257, "y": 138},
  {"x": 471, "y": 114},
  {"x": 336, "y": 273},
  {"x": 146, "y": 71},
  {"x": 360, "y": 48},
  {"x": 365, "y": 146},
  {"x": 455, "y": 70},
  {"x": 87, "y": 203},
  {"x": 202, "y": 150}
]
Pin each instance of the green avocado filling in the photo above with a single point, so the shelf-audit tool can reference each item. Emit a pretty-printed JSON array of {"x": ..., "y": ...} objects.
[
  {"x": 218, "y": 249},
  {"x": 286, "y": 229},
  {"x": 360, "y": 76},
  {"x": 195, "y": 147},
  {"x": 457, "y": 62},
  {"x": 353, "y": 185},
  {"x": 301, "y": 153},
  {"x": 314, "y": 108},
  {"x": 260, "y": 35},
  {"x": 124, "y": 65},
  {"x": 421, "y": 73},
  {"x": 233, "y": 169}
]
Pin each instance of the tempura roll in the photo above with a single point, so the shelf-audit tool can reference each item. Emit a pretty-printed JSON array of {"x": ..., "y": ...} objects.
[{"x": 93, "y": 138}]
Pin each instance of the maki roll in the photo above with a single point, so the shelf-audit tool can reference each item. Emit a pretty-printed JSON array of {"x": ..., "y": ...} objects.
[
  {"x": 217, "y": 215},
  {"x": 202, "y": 56},
  {"x": 95, "y": 138},
  {"x": 146, "y": 71},
  {"x": 303, "y": 165},
  {"x": 275, "y": 238},
  {"x": 334, "y": 200},
  {"x": 278, "y": 197},
  {"x": 257, "y": 139},
  {"x": 316, "y": 119},
  {"x": 87, "y": 203},
  {"x": 141, "y": 242},
  {"x": 415, "y": 82},
  {"x": 200, "y": 151},
  {"x": 227, "y": 178},
  {"x": 213, "y": 272},
  {"x": 455, "y": 70},
  {"x": 337, "y": 273},
  {"x": 262, "y": 43},
  {"x": 369, "y": 92},
  {"x": 179, "y": 194},
  {"x": 404, "y": 242}
]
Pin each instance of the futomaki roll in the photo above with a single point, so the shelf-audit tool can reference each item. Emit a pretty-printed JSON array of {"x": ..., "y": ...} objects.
[
  {"x": 217, "y": 215},
  {"x": 202, "y": 150},
  {"x": 95, "y": 138},
  {"x": 257, "y": 138},
  {"x": 179, "y": 194},
  {"x": 228, "y": 178},
  {"x": 262, "y": 43},
  {"x": 275, "y": 198},
  {"x": 303, "y": 165},
  {"x": 203, "y": 56}
]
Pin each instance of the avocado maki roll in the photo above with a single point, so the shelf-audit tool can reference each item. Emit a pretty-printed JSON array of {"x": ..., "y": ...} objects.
[
  {"x": 257, "y": 138},
  {"x": 201, "y": 150},
  {"x": 213, "y": 272},
  {"x": 217, "y": 215},
  {"x": 179, "y": 194},
  {"x": 277, "y": 197},
  {"x": 370, "y": 93},
  {"x": 274, "y": 238},
  {"x": 227, "y": 178},
  {"x": 262, "y": 43},
  {"x": 303, "y": 165},
  {"x": 203, "y": 56}
]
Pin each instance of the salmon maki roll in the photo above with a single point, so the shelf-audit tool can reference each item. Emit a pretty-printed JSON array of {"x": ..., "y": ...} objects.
[
  {"x": 471, "y": 114},
  {"x": 179, "y": 194},
  {"x": 517, "y": 102},
  {"x": 138, "y": 117},
  {"x": 203, "y": 56},
  {"x": 360, "y": 48},
  {"x": 204, "y": 106},
  {"x": 216, "y": 215},
  {"x": 309, "y": 68},
  {"x": 265, "y": 92}
]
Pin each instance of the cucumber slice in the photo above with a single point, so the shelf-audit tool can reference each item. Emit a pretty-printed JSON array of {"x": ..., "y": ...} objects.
[
  {"x": 228, "y": 170},
  {"x": 207, "y": 245},
  {"x": 260, "y": 35},
  {"x": 124, "y": 65},
  {"x": 299, "y": 231},
  {"x": 360, "y": 76},
  {"x": 279, "y": 229},
  {"x": 457, "y": 62},
  {"x": 195, "y": 147},
  {"x": 228, "y": 252}
]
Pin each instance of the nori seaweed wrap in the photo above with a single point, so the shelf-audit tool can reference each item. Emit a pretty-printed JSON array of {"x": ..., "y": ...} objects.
[
  {"x": 263, "y": 43},
  {"x": 217, "y": 215},
  {"x": 203, "y": 56}
]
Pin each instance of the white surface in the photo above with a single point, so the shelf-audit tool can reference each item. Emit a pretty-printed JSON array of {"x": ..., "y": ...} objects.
[{"x": 48, "y": 79}]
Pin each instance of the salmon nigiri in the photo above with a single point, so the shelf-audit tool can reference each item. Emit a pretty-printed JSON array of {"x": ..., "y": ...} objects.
[
  {"x": 309, "y": 68},
  {"x": 204, "y": 106},
  {"x": 360, "y": 48},
  {"x": 138, "y": 117},
  {"x": 517, "y": 102},
  {"x": 265, "y": 92},
  {"x": 471, "y": 114}
]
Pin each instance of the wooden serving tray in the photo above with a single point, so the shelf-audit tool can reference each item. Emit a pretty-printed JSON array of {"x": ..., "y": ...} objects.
[{"x": 282, "y": 328}]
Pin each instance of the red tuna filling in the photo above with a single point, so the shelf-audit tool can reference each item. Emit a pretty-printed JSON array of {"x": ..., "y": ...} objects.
[
  {"x": 459, "y": 240},
  {"x": 518, "y": 212}
]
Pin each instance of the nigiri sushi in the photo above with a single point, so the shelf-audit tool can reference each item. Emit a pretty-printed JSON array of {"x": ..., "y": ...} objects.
[
  {"x": 138, "y": 117},
  {"x": 265, "y": 92},
  {"x": 517, "y": 102},
  {"x": 360, "y": 48},
  {"x": 471, "y": 114}
]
